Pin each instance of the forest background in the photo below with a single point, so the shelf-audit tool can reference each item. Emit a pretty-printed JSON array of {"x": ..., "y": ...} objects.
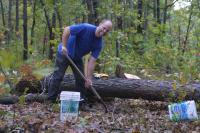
[{"x": 150, "y": 38}]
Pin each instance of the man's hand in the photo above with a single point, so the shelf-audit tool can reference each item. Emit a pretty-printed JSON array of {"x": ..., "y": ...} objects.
[
  {"x": 64, "y": 50},
  {"x": 88, "y": 83}
]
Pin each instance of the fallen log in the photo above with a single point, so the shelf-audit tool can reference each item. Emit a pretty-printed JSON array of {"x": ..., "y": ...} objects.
[
  {"x": 140, "y": 88},
  {"x": 7, "y": 100},
  {"x": 125, "y": 88},
  {"x": 134, "y": 88}
]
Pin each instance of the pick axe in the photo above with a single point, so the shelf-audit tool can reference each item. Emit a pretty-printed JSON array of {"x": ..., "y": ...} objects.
[{"x": 82, "y": 76}]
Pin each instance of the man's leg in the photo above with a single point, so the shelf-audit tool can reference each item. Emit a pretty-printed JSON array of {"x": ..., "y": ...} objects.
[
  {"x": 80, "y": 82},
  {"x": 58, "y": 74}
]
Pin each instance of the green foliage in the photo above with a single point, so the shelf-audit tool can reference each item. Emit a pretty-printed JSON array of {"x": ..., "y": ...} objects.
[
  {"x": 157, "y": 50},
  {"x": 22, "y": 99},
  {"x": 82, "y": 122},
  {"x": 3, "y": 113},
  {"x": 55, "y": 107},
  {"x": 8, "y": 58}
]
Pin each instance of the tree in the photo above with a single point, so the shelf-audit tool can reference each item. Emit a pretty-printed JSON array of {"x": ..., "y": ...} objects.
[
  {"x": 25, "y": 34},
  {"x": 92, "y": 6},
  {"x": 50, "y": 26},
  {"x": 139, "y": 27},
  {"x": 2, "y": 13},
  {"x": 17, "y": 16},
  {"x": 188, "y": 29},
  {"x": 9, "y": 22},
  {"x": 33, "y": 21}
]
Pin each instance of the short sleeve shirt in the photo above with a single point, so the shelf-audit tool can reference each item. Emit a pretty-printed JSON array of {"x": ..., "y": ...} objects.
[{"x": 82, "y": 40}]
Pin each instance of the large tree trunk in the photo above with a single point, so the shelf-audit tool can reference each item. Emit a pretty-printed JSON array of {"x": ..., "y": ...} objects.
[
  {"x": 117, "y": 87},
  {"x": 140, "y": 88}
]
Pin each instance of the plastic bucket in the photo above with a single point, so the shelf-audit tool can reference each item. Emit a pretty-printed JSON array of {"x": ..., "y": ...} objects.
[{"x": 69, "y": 105}]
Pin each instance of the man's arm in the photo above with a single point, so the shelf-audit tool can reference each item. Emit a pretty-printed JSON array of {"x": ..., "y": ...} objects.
[
  {"x": 65, "y": 37},
  {"x": 90, "y": 70}
]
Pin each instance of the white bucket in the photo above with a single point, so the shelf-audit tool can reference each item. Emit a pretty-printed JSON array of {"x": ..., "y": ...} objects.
[
  {"x": 183, "y": 111},
  {"x": 69, "y": 105}
]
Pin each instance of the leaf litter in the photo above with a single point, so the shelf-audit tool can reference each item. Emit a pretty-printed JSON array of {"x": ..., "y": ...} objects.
[{"x": 124, "y": 116}]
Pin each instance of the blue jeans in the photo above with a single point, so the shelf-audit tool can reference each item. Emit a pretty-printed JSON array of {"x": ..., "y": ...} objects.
[{"x": 60, "y": 67}]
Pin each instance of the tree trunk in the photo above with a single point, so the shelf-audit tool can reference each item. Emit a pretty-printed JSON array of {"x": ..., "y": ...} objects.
[
  {"x": 154, "y": 9},
  {"x": 188, "y": 28},
  {"x": 52, "y": 35},
  {"x": 117, "y": 87},
  {"x": 49, "y": 27},
  {"x": 198, "y": 4},
  {"x": 145, "y": 89},
  {"x": 146, "y": 14},
  {"x": 17, "y": 17},
  {"x": 33, "y": 23},
  {"x": 2, "y": 13},
  {"x": 9, "y": 21},
  {"x": 158, "y": 11},
  {"x": 119, "y": 27},
  {"x": 170, "y": 30},
  {"x": 59, "y": 21},
  {"x": 45, "y": 39},
  {"x": 92, "y": 8},
  {"x": 165, "y": 13},
  {"x": 164, "y": 17},
  {"x": 123, "y": 88},
  {"x": 117, "y": 48},
  {"x": 139, "y": 27},
  {"x": 25, "y": 36},
  {"x": 179, "y": 37}
]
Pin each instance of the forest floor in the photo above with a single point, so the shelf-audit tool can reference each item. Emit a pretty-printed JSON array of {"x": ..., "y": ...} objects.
[{"x": 124, "y": 116}]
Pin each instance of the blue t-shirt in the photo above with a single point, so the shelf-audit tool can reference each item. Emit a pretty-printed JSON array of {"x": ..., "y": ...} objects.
[{"x": 82, "y": 40}]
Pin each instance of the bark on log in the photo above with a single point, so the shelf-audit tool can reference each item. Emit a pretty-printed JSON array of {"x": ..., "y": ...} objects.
[
  {"x": 127, "y": 88},
  {"x": 140, "y": 88},
  {"x": 28, "y": 98}
]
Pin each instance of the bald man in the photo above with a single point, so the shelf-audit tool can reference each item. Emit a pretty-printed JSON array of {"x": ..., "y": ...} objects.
[{"x": 77, "y": 41}]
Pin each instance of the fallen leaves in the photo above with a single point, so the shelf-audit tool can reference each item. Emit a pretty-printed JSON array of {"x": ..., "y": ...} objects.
[
  {"x": 126, "y": 115},
  {"x": 2, "y": 78}
]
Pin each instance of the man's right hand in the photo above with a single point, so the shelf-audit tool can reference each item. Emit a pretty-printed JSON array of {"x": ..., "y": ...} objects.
[{"x": 64, "y": 50}]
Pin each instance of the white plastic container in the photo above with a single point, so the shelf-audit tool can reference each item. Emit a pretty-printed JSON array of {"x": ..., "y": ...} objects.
[
  {"x": 183, "y": 111},
  {"x": 69, "y": 105}
]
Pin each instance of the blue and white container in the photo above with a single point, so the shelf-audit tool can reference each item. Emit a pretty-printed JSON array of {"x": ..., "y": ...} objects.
[
  {"x": 183, "y": 111},
  {"x": 69, "y": 105}
]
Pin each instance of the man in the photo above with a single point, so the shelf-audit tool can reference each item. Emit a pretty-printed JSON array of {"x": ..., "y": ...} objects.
[{"x": 77, "y": 41}]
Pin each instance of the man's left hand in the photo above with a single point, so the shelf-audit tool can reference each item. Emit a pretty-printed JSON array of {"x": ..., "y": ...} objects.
[{"x": 88, "y": 83}]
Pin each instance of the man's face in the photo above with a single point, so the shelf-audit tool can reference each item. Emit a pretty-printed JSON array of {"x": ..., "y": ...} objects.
[{"x": 103, "y": 28}]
